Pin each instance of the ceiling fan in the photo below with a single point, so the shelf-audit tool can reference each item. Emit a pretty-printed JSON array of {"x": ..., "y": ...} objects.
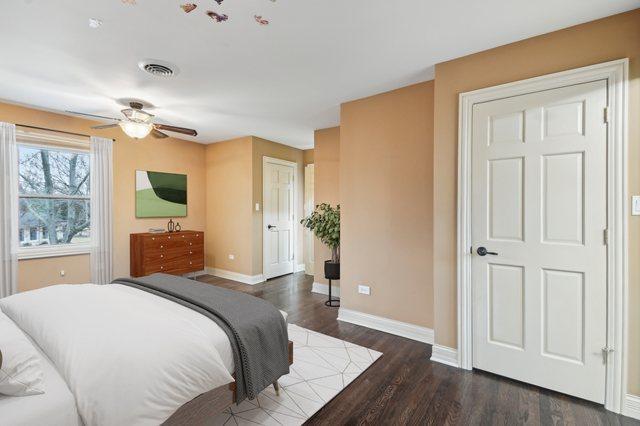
[{"x": 138, "y": 123}]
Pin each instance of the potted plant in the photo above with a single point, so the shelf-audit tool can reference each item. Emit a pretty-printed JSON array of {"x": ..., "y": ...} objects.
[{"x": 324, "y": 222}]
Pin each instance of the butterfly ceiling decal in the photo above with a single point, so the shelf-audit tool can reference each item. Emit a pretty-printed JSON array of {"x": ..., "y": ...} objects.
[
  {"x": 260, "y": 20},
  {"x": 218, "y": 17},
  {"x": 188, "y": 7}
]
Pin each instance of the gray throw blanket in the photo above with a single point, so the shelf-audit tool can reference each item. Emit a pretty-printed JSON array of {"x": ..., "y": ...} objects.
[{"x": 256, "y": 329}]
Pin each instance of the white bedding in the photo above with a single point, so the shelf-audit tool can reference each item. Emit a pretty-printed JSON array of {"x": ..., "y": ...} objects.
[
  {"x": 128, "y": 357},
  {"x": 55, "y": 407}
]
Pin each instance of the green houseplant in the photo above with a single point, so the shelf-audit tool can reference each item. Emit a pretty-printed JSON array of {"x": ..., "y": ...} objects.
[{"x": 324, "y": 222}]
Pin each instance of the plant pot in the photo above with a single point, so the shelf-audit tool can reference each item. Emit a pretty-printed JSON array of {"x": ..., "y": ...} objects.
[{"x": 331, "y": 270}]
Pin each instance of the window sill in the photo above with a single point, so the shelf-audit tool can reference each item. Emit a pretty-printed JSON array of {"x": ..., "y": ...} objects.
[{"x": 52, "y": 251}]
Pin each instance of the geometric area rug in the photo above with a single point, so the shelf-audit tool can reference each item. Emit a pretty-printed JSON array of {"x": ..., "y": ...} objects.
[{"x": 323, "y": 366}]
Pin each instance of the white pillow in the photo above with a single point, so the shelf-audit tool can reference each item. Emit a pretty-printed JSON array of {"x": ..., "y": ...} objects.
[{"x": 21, "y": 370}]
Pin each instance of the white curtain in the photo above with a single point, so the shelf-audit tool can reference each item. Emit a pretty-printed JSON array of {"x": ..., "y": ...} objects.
[
  {"x": 9, "y": 210},
  {"x": 101, "y": 210}
]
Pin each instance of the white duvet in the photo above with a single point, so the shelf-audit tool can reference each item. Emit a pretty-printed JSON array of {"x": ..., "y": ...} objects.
[{"x": 129, "y": 357}]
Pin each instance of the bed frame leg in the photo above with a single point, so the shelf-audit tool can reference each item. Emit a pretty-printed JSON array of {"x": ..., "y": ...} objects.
[{"x": 276, "y": 387}]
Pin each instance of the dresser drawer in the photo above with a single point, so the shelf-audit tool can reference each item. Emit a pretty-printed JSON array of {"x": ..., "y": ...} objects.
[
  {"x": 163, "y": 242},
  {"x": 175, "y": 267},
  {"x": 195, "y": 251},
  {"x": 167, "y": 254}
]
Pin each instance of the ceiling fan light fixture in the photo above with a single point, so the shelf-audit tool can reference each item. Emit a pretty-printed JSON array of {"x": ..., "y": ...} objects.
[
  {"x": 137, "y": 115},
  {"x": 136, "y": 130}
]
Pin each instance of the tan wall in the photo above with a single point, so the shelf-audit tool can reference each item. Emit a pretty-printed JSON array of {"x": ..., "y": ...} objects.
[
  {"x": 386, "y": 196},
  {"x": 307, "y": 156},
  {"x": 167, "y": 155},
  {"x": 326, "y": 188},
  {"x": 228, "y": 199},
  {"x": 38, "y": 273},
  {"x": 234, "y": 186},
  {"x": 265, "y": 148},
  {"x": 599, "y": 41}
]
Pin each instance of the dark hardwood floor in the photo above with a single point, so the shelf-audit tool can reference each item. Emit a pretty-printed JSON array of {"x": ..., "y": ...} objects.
[{"x": 404, "y": 387}]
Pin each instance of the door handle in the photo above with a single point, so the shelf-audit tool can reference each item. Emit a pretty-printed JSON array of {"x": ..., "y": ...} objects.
[
  {"x": 482, "y": 251},
  {"x": 270, "y": 227}
]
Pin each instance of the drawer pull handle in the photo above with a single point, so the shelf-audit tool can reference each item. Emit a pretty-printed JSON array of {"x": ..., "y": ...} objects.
[
  {"x": 161, "y": 246},
  {"x": 190, "y": 263},
  {"x": 190, "y": 244},
  {"x": 162, "y": 255},
  {"x": 162, "y": 267},
  {"x": 190, "y": 252}
]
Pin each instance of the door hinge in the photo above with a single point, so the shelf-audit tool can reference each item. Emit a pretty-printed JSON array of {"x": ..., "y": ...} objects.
[
  {"x": 605, "y": 353},
  {"x": 605, "y": 237},
  {"x": 606, "y": 115}
]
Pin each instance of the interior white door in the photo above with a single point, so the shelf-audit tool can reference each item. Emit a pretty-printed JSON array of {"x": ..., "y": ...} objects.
[
  {"x": 539, "y": 209},
  {"x": 309, "y": 187},
  {"x": 278, "y": 218}
]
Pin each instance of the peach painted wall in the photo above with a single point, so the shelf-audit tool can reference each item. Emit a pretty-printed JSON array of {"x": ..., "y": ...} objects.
[
  {"x": 229, "y": 208},
  {"x": 308, "y": 156},
  {"x": 386, "y": 196},
  {"x": 326, "y": 188},
  {"x": 167, "y": 155},
  {"x": 37, "y": 273},
  {"x": 234, "y": 186},
  {"x": 607, "y": 39}
]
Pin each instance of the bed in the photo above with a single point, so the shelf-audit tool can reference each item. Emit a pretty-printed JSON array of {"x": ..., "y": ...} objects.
[
  {"x": 56, "y": 406},
  {"x": 117, "y": 355}
]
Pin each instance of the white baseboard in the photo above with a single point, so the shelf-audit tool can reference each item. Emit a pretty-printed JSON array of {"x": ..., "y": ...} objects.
[
  {"x": 299, "y": 267},
  {"x": 445, "y": 355},
  {"x": 631, "y": 406},
  {"x": 235, "y": 276},
  {"x": 321, "y": 288},
  {"x": 403, "y": 329}
]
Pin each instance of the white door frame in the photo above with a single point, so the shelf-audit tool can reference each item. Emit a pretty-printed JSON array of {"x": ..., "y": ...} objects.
[
  {"x": 272, "y": 160},
  {"x": 308, "y": 238},
  {"x": 615, "y": 73}
]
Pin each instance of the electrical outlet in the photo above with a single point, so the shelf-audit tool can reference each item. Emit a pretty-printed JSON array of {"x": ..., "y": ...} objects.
[
  {"x": 257, "y": 207},
  {"x": 232, "y": 257},
  {"x": 62, "y": 273},
  {"x": 364, "y": 289},
  {"x": 635, "y": 205}
]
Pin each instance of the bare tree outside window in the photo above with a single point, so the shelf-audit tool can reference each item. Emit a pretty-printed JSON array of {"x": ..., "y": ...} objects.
[{"x": 54, "y": 196}]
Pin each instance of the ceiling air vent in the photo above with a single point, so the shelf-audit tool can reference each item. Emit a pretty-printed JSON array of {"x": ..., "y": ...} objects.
[{"x": 158, "y": 68}]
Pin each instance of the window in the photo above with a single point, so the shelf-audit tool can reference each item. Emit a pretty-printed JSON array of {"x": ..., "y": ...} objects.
[{"x": 54, "y": 198}]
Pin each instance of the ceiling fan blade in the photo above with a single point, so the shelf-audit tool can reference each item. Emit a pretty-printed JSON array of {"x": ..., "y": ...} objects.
[
  {"x": 105, "y": 126},
  {"x": 158, "y": 134},
  {"x": 93, "y": 115},
  {"x": 182, "y": 130}
]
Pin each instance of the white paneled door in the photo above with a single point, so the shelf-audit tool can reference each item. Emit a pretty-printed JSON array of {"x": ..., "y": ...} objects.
[
  {"x": 539, "y": 217},
  {"x": 278, "y": 217}
]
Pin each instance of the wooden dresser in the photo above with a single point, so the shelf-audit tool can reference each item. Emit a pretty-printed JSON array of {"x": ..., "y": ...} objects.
[{"x": 172, "y": 253}]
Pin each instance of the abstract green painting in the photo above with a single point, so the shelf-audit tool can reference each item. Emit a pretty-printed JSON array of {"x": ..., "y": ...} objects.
[{"x": 160, "y": 194}]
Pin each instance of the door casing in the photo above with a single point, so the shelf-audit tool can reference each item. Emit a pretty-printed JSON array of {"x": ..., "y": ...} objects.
[
  {"x": 615, "y": 73},
  {"x": 309, "y": 205}
]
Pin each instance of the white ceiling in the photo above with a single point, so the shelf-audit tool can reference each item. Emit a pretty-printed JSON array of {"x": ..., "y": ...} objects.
[{"x": 238, "y": 78}]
